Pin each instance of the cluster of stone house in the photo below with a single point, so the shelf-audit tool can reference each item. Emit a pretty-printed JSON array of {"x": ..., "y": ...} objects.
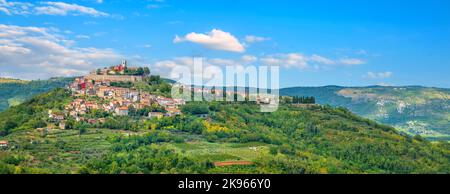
[
  {"x": 118, "y": 101},
  {"x": 115, "y": 100},
  {"x": 230, "y": 93}
]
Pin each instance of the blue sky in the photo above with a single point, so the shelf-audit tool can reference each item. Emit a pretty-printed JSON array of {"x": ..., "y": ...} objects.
[{"x": 322, "y": 42}]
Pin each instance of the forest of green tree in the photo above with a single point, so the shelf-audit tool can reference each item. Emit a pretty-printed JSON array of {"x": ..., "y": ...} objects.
[
  {"x": 14, "y": 93},
  {"x": 316, "y": 139}
]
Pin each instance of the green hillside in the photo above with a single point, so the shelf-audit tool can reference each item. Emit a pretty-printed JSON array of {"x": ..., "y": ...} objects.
[
  {"x": 413, "y": 110},
  {"x": 14, "y": 92},
  {"x": 10, "y": 80},
  {"x": 316, "y": 139}
]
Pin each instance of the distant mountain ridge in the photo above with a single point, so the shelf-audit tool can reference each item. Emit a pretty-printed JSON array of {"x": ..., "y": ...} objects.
[
  {"x": 10, "y": 80},
  {"x": 412, "y": 109}
]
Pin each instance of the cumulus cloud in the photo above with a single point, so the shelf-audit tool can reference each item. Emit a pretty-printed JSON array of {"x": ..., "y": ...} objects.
[
  {"x": 379, "y": 75},
  {"x": 287, "y": 60},
  {"x": 213, "y": 68},
  {"x": 39, "y": 53},
  {"x": 48, "y": 8},
  {"x": 215, "y": 65},
  {"x": 254, "y": 39},
  {"x": 216, "y": 40},
  {"x": 171, "y": 69},
  {"x": 296, "y": 60},
  {"x": 165, "y": 67}
]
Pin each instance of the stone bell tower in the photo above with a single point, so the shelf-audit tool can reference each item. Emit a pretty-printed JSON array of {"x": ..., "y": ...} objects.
[{"x": 124, "y": 63}]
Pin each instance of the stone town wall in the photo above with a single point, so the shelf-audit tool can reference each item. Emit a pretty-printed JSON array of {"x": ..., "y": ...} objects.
[{"x": 115, "y": 78}]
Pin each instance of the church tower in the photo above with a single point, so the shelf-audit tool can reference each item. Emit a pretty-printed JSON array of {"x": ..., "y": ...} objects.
[{"x": 124, "y": 63}]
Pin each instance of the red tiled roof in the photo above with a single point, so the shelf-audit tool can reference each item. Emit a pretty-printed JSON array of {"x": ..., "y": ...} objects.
[{"x": 173, "y": 109}]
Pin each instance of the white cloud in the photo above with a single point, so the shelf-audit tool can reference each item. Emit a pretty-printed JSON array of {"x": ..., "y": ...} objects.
[
  {"x": 60, "y": 8},
  {"x": 384, "y": 84},
  {"x": 254, "y": 39},
  {"x": 212, "y": 68},
  {"x": 82, "y": 36},
  {"x": 15, "y": 8},
  {"x": 351, "y": 61},
  {"x": 90, "y": 23},
  {"x": 379, "y": 75},
  {"x": 320, "y": 59},
  {"x": 297, "y": 60},
  {"x": 4, "y": 10},
  {"x": 249, "y": 59},
  {"x": 302, "y": 61},
  {"x": 156, "y": 4},
  {"x": 166, "y": 67},
  {"x": 39, "y": 53},
  {"x": 287, "y": 60},
  {"x": 13, "y": 49},
  {"x": 216, "y": 40},
  {"x": 48, "y": 8}
]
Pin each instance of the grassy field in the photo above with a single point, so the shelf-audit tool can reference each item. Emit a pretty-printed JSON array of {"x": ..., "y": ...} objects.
[
  {"x": 218, "y": 152},
  {"x": 63, "y": 150}
]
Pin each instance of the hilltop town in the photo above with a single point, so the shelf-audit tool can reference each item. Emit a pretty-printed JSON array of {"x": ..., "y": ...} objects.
[
  {"x": 112, "y": 91},
  {"x": 100, "y": 91},
  {"x": 121, "y": 119}
]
